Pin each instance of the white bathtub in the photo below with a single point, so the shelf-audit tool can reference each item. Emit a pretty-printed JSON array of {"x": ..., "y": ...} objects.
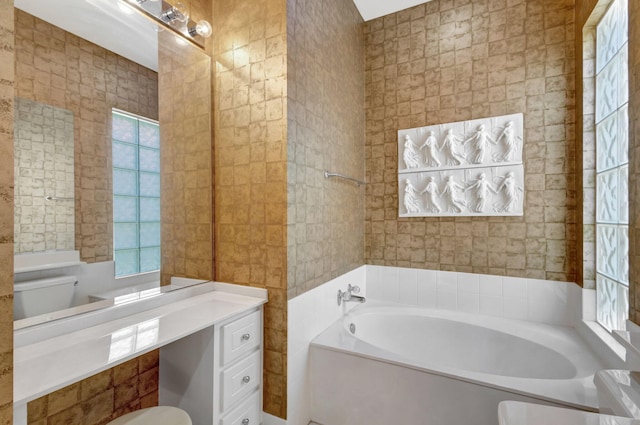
[{"x": 414, "y": 365}]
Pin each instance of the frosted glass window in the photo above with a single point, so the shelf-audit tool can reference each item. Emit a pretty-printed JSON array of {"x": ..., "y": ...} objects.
[
  {"x": 136, "y": 194},
  {"x": 612, "y": 169}
]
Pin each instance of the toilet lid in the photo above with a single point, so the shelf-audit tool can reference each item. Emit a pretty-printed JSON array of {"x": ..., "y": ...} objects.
[{"x": 161, "y": 415}]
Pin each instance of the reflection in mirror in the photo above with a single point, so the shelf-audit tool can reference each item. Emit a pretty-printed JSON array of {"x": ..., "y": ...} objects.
[
  {"x": 44, "y": 185},
  {"x": 57, "y": 70}
]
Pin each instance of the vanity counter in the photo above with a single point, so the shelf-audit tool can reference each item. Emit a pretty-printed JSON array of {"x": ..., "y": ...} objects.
[{"x": 48, "y": 365}]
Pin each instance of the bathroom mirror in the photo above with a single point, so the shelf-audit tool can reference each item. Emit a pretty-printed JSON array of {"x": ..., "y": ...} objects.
[{"x": 84, "y": 61}]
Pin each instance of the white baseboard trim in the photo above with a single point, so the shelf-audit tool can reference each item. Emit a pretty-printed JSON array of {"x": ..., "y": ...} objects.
[{"x": 268, "y": 419}]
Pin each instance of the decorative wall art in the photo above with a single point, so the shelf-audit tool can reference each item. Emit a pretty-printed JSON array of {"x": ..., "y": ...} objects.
[{"x": 462, "y": 169}]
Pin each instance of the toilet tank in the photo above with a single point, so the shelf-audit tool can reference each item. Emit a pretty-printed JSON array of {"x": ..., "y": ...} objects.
[{"x": 41, "y": 296}]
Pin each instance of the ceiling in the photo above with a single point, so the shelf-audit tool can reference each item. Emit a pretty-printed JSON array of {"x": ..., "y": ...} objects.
[{"x": 371, "y": 9}]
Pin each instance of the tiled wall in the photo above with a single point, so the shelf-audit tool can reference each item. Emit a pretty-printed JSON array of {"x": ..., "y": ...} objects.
[
  {"x": 6, "y": 211},
  {"x": 325, "y": 117},
  {"x": 184, "y": 93},
  {"x": 634, "y": 161},
  {"x": 43, "y": 166},
  {"x": 103, "y": 397},
  {"x": 447, "y": 61},
  {"x": 63, "y": 70},
  {"x": 251, "y": 167}
]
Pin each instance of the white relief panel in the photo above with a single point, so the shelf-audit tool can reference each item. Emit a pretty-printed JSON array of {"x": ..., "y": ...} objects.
[
  {"x": 463, "y": 168},
  {"x": 490, "y": 191},
  {"x": 466, "y": 144}
]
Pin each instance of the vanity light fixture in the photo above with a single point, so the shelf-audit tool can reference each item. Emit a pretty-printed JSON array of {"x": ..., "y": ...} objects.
[
  {"x": 176, "y": 13},
  {"x": 202, "y": 28},
  {"x": 174, "y": 17},
  {"x": 125, "y": 8}
]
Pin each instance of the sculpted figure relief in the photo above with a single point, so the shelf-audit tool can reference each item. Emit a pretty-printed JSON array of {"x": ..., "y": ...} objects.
[
  {"x": 431, "y": 204},
  {"x": 450, "y": 148},
  {"x": 411, "y": 200},
  {"x": 480, "y": 144},
  {"x": 430, "y": 155},
  {"x": 451, "y": 194},
  {"x": 411, "y": 155},
  {"x": 511, "y": 191},
  {"x": 480, "y": 189}
]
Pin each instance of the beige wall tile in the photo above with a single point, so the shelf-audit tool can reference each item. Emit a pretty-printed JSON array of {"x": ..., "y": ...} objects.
[
  {"x": 250, "y": 107},
  {"x": 6, "y": 210},
  {"x": 443, "y": 62},
  {"x": 326, "y": 121}
]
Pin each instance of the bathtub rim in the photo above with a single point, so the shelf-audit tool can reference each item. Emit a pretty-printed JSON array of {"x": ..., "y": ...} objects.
[{"x": 559, "y": 391}]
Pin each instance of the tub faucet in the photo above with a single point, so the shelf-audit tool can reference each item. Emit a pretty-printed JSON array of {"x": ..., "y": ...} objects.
[{"x": 348, "y": 295}]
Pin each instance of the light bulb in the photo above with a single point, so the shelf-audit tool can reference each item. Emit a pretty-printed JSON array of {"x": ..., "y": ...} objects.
[{"x": 202, "y": 28}]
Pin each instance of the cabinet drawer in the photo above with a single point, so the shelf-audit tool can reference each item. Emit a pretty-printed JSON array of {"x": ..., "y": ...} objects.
[
  {"x": 239, "y": 380},
  {"x": 248, "y": 413},
  {"x": 241, "y": 336}
]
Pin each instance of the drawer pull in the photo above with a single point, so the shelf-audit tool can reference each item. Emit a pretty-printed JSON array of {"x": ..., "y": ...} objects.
[
  {"x": 245, "y": 421},
  {"x": 246, "y": 379},
  {"x": 246, "y": 337}
]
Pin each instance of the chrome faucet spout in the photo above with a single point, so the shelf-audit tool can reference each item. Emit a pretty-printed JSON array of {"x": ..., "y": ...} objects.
[{"x": 348, "y": 295}]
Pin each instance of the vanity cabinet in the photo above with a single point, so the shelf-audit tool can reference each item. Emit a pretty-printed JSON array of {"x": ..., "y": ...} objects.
[{"x": 216, "y": 374}]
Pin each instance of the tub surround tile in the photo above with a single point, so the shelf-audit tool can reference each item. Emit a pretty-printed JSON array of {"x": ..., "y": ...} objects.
[
  {"x": 427, "y": 293},
  {"x": 309, "y": 315},
  {"x": 491, "y": 305},
  {"x": 518, "y": 298},
  {"x": 447, "y": 299},
  {"x": 490, "y": 285},
  {"x": 513, "y": 287},
  {"x": 408, "y": 291},
  {"x": 515, "y": 308},
  {"x": 469, "y": 302}
]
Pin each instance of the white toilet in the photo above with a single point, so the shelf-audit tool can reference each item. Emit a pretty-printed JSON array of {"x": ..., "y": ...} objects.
[
  {"x": 42, "y": 296},
  {"x": 161, "y": 415},
  {"x": 618, "y": 392}
]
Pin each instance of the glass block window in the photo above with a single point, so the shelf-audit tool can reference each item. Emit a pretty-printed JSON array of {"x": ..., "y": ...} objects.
[
  {"x": 612, "y": 167},
  {"x": 136, "y": 194}
]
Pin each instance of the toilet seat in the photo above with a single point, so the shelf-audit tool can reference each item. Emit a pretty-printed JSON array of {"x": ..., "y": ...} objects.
[{"x": 161, "y": 415}]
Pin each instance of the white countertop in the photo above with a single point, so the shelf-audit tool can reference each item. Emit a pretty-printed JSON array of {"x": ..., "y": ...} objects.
[
  {"x": 518, "y": 413},
  {"x": 51, "y": 364}
]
